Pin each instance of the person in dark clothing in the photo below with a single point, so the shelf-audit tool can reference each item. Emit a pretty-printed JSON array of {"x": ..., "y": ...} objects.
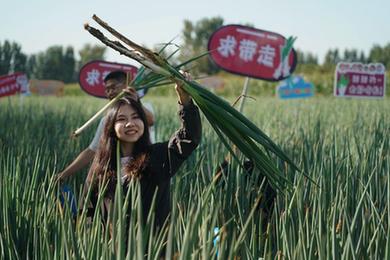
[{"x": 151, "y": 165}]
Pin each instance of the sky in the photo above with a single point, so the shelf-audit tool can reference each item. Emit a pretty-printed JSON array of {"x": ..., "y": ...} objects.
[{"x": 319, "y": 25}]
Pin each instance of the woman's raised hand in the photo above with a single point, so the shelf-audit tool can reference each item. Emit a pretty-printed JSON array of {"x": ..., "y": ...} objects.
[{"x": 184, "y": 97}]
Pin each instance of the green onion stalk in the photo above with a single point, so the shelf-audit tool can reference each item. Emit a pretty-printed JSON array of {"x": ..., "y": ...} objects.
[{"x": 230, "y": 125}]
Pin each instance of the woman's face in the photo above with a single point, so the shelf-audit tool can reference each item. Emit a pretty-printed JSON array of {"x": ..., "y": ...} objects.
[{"x": 129, "y": 126}]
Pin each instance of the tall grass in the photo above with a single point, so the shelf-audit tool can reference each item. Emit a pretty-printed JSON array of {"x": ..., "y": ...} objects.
[{"x": 342, "y": 144}]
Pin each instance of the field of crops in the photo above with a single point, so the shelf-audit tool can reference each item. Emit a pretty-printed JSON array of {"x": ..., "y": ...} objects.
[{"x": 343, "y": 145}]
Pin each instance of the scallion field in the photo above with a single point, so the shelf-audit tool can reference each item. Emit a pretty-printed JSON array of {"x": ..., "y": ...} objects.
[{"x": 342, "y": 144}]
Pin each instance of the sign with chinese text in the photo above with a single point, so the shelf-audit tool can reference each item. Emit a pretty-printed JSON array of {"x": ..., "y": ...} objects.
[
  {"x": 360, "y": 80},
  {"x": 252, "y": 52},
  {"x": 47, "y": 87},
  {"x": 93, "y": 73},
  {"x": 295, "y": 87},
  {"x": 12, "y": 84}
]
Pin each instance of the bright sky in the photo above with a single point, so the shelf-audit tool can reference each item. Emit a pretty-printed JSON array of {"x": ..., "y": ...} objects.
[{"x": 319, "y": 25}]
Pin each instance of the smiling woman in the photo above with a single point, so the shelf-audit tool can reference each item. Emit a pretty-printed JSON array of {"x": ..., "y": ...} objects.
[
  {"x": 150, "y": 165},
  {"x": 129, "y": 128}
]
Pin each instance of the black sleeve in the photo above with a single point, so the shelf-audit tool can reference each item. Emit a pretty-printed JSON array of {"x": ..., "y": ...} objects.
[{"x": 173, "y": 153}]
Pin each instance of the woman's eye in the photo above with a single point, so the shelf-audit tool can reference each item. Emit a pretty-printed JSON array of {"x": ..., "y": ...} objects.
[{"x": 120, "y": 119}]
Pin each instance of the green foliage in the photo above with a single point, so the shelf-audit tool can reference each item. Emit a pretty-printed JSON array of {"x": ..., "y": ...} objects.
[
  {"x": 69, "y": 65},
  {"x": 74, "y": 89},
  {"x": 196, "y": 36},
  {"x": 332, "y": 57},
  {"x": 12, "y": 59},
  {"x": 91, "y": 52},
  {"x": 31, "y": 66},
  {"x": 351, "y": 55},
  {"x": 306, "y": 58},
  {"x": 343, "y": 144},
  {"x": 380, "y": 54},
  {"x": 55, "y": 63}
]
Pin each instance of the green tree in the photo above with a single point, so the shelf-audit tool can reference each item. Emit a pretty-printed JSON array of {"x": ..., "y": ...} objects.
[
  {"x": 69, "y": 63},
  {"x": 12, "y": 58},
  {"x": 376, "y": 54},
  {"x": 5, "y": 57},
  {"x": 196, "y": 37},
  {"x": 307, "y": 61},
  {"x": 55, "y": 63},
  {"x": 311, "y": 59},
  {"x": 332, "y": 57},
  {"x": 49, "y": 63},
  {"x": 362, "y": 57},
  {"x": 350, "y": 55},
  {"x": 31, "y": 66},
  {"x": 89, "y": 53},
  {"x": 19, "y": 60},
  {"x": 306, "y": 58},
  {"x": 387, "y": 56},
  {"x": 380, "y": 54}
]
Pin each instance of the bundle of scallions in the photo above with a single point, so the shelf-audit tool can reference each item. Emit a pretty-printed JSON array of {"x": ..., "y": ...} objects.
[{"x": 230, "y": 125}]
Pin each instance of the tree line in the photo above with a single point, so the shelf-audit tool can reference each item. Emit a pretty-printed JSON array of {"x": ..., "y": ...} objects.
[
  {"x": 56, "y": 62},
  {"x": 59, "y": 62}
]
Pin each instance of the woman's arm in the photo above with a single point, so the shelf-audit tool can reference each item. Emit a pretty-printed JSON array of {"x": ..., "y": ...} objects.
[
  {"x": 167, "y": 157},
  {"x": 187, "y": 138}
]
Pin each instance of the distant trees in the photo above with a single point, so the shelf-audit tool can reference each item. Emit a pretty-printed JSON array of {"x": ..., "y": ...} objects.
[
  {"x": 56, "y": 62},
  {"x": 351, "y": 55},
  {"x": 196, "y": 36},
  {"x": 332, "y": 57},
  {"x": 11, "y": 57},
  {"x": 306, "y": 58},
  {"x": 376, "y": 54},
  {"x": 380, "y": 54},
  {"x": 91, "y": 52}
]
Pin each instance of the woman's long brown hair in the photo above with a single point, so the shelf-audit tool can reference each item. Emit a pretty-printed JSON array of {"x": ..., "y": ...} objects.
[{"x": 104, "y": 165}]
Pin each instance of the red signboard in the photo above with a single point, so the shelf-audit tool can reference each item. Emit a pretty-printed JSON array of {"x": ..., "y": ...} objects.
[
  {"x": 360, "y": 80},
  {"x": 12, "y": 84},
  {"x": 251, "y": 52},
  {"x": 93, "y": 73}
]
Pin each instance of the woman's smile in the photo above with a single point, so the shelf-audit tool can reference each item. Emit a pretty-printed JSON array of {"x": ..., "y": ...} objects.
[
  {"x": 131, "y": 132},
  {"x": 128, "y": 125}
]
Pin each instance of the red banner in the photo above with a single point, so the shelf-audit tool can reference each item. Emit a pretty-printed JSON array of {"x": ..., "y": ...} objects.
[
  {"x": 360, "y": 80},
  {"x": 251, "y": 52},
  {"x": 12, "y": 84},
  {"x": 93, "y": 73}
]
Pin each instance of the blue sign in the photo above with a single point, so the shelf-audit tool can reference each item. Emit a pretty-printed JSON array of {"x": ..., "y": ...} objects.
[{"x": 295, "y": 87}]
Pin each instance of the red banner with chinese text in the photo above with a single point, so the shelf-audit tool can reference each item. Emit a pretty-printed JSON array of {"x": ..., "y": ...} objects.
[
  {"x": 12, "y": 84},
  {"x": 360, "y": 80},
  {"x": 93, "y": 73},
  {"x": 251, "y": 52}
]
